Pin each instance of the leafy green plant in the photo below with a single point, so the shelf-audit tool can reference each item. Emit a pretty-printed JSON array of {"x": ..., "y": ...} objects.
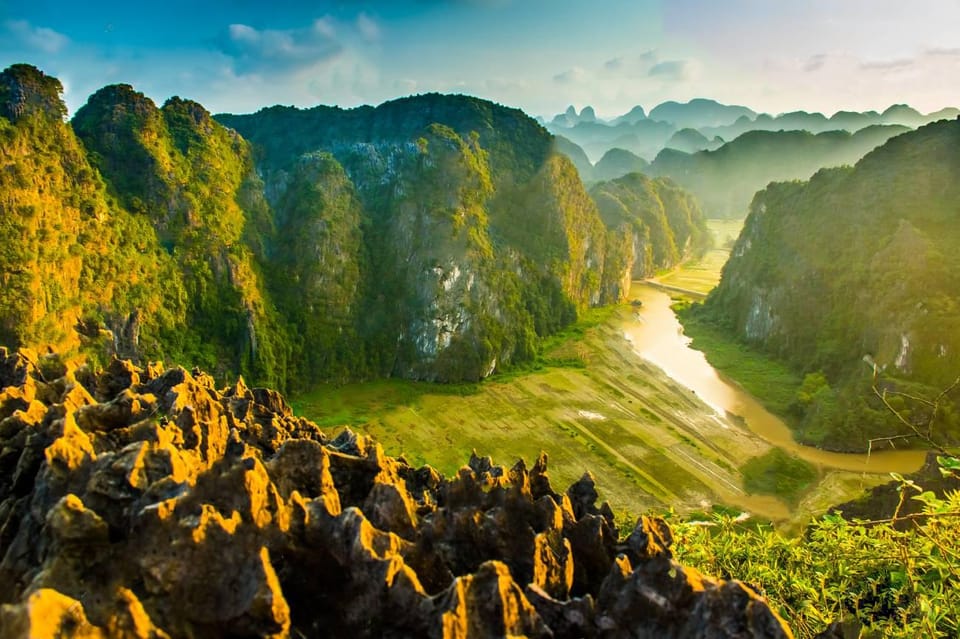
[{"x": 891, "y": 577}]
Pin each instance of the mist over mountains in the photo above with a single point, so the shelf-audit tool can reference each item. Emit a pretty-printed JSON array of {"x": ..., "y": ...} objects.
[
  {"x": 725, "y": 153},
  {"x": 647, "y": 133},
  {"x": 851, "y": 277}
]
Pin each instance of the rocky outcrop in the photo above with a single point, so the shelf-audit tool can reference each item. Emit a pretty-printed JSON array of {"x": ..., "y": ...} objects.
[{"x": 143, "y": 502}]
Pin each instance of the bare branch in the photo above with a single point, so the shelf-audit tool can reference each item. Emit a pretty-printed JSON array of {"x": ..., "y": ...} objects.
[{"x": 882, "y": 395}]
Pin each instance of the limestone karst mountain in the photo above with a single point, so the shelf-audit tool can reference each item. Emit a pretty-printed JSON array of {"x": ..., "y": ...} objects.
[
  {"x": 434, "y": 237},
  {"x": 852, "y": 275},
  {"x": 702, "y": 124}
]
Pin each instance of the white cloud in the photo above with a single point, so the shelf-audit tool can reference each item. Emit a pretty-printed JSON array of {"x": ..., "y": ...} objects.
[
  {"x": 815, "y": 62},
  {"x": 368, "y": 27},
  {"x": 269, "y": 50},
  {"x": 35, "y": 38},
  {"x": 571, "y": 76},
  {"x": 614, "y": 64},
  {"x": 674, "y": 70},
  {"x": 887, "y": 65},
  {"x": 949, "y": 53}
]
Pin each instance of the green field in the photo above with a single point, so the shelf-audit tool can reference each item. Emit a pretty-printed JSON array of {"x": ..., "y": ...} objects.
[
  {"x": 590, "y": 404},
  {"x": 702, "y": 275}
]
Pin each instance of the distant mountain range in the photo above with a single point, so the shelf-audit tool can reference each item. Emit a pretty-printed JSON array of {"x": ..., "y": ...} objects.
[
  {"x": 723, "y": 153},
  {"x": 726, "y": 179},
  {"x": 646, "y": 134}
]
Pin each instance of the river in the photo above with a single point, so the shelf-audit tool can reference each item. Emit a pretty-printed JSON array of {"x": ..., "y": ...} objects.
[{"x": 657, "y": 336}]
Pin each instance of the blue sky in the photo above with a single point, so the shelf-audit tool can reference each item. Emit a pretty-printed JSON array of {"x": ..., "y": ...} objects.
[{"x": 540, "y": 55}]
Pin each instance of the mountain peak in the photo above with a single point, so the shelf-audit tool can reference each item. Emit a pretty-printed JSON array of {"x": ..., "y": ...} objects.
[
  {"x": 699, "y": 112},
  {"x": 25, "y": 90}
]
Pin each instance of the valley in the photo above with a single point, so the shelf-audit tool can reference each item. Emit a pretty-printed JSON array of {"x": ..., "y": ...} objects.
[
  {"x": 621, "y": 409},
  {"x": 449, "y": 294}
]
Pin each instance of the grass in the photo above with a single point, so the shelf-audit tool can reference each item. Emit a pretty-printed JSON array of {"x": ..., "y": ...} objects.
[
  {"x": 778, "y": 473},
  {"x": 607, "y": 414},
  {"x": 702, "y": 275},
  {"x": 591, "y": 404},
  {"x": 770, "y": 381}
]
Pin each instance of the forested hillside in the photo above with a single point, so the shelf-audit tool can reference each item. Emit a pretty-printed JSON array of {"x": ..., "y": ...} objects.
[
  {"x": 434, "y": 237},
  {"x": 656, "y": 222},
  {"x": 852, "y": 278}
]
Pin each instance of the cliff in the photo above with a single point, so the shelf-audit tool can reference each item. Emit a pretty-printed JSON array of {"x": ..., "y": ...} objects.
[
  {"x": 852, "y": 276},
  {"x": 143, "y": 502},
  {"x": 658, "y": 223},
  {"x": 479, "y": 231},
  {"x": 434, "y": 237}
]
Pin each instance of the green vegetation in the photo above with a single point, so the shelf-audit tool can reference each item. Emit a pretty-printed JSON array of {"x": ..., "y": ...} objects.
[
  {"x": 771, "y": 381},
  {"x": 702, "y": 274},
  {"x": 866, "y": 300},
  {"x": 435, "y": 237},
  {"x": 891, "y": 577},
  {"x": 616, "y": 163},
  {"x": 777, "y": 473},
  {"x": 659, "y": 224},
  {"x": 591, "y": 404}
]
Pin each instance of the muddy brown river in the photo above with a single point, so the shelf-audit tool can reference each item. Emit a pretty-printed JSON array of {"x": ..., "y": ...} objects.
[{"x": 657, "y": 336}]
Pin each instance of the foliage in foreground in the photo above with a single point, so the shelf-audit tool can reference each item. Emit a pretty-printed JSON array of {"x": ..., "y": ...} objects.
[{"x": 895, "y": 577}]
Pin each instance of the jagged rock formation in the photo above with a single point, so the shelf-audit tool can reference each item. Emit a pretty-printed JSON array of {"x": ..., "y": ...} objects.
[{"x": 143, "y": 502}]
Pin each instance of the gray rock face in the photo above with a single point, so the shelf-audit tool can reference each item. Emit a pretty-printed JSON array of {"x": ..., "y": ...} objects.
[{"x": 146, "y": 503}]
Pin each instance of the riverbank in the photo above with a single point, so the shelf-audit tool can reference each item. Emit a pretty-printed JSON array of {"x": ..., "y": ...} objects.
[
  {"x": 772, "y": 382},
  {"x": 599, "y": 406}
]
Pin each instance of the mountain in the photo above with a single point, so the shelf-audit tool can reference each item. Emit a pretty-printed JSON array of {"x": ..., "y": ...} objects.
[
  {"x": 433, "y": 237},
  {"x": 632, "y": 116},
  {"x": 576, "y": 155},
  {"x": 618, "y": 162},
  {"x": 903, "y": 114},
  {"x": 689, "y": 141},
  {"x": 856, "y": 268},
  {"x": 77, "y": 268},
  {"x": 948, "y": 113},
  {"x": 853, "y": 121},
  {"x": 653, "y": 223},
  {"x": 682, "y": 125},
  {"x": 698, "y": 113},
  {"x": 644, "y": 137},
  {"x": 570, "y": 117},
  {"x": 724, "y": 180},
  {"x": 193, "y": 185},
  {"x": 480, "y": 236}
]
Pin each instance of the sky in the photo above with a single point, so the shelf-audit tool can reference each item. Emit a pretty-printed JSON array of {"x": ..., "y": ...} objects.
[{"x": 540, "y": 55}]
